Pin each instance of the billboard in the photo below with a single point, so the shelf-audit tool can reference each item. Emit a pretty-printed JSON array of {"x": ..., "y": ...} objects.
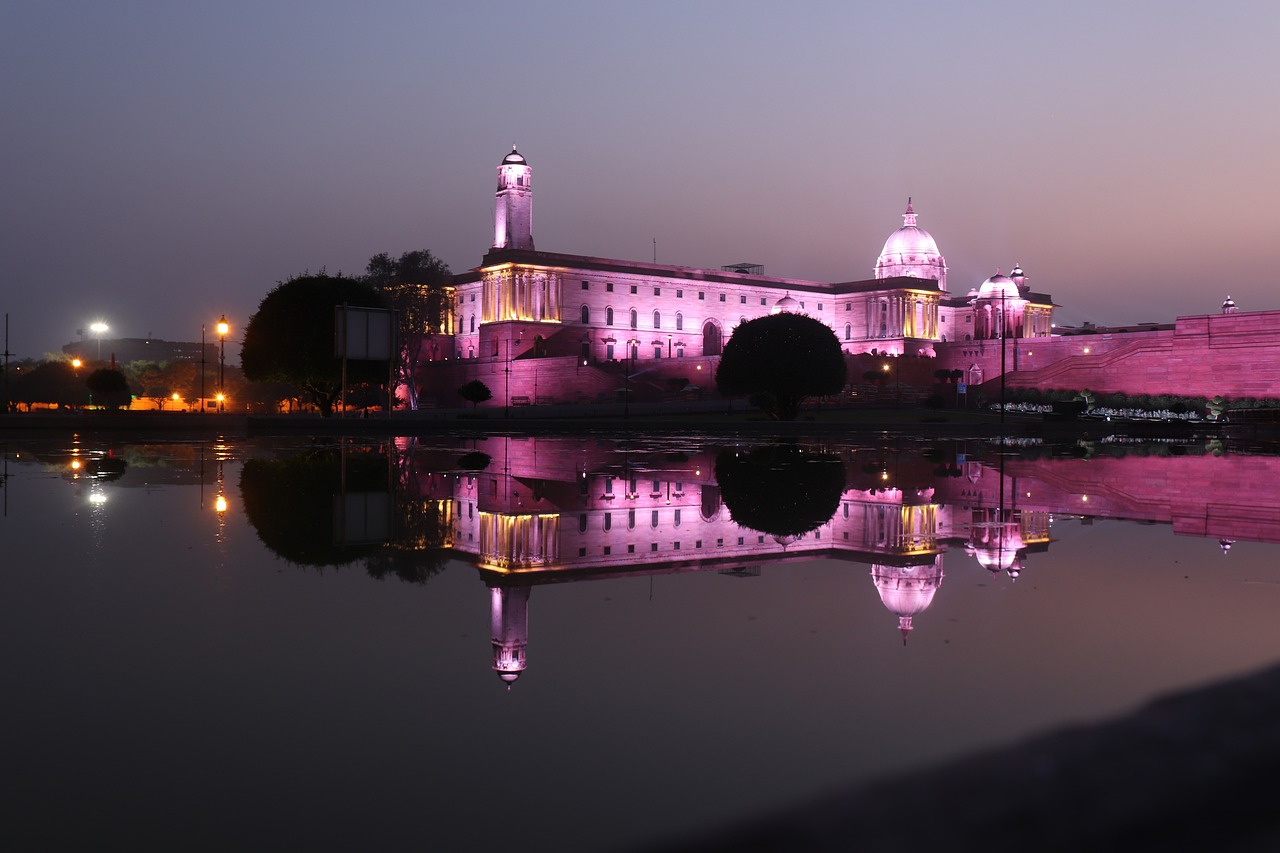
[{"x": 363, "y": 334}]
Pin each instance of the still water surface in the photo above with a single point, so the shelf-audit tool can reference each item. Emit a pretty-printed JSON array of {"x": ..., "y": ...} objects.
[{"x": 571, "y": 644}]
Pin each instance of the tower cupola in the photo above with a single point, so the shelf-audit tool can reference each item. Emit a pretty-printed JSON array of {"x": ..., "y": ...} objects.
[{"x": 513, "y": 208}]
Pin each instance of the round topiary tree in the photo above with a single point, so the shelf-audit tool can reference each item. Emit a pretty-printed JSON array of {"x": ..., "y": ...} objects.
[
  {"x": 790, "y": 356},
  {"x": 475, "y": 392}
]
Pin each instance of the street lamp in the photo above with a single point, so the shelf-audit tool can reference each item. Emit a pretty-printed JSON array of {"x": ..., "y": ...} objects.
[
  {"x": 223, "y": 328},
  {"x": 99, "y": 328}
]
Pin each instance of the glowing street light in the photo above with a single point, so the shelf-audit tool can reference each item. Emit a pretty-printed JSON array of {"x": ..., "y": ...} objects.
[
  {"x": 99, "y": 328},
  {"x": 223, "y": 328}
]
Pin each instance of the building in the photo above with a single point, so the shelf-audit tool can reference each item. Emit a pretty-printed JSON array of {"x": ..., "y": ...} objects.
[
  {"x": 565, "y": 328},
  {"x": 546, "y": 327}
]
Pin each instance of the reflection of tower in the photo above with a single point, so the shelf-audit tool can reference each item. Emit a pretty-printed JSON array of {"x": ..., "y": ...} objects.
[
  {"x": 509, "y": 628},
  {"x": 907, "y": 590},
  {"x": 513, "y": 207}
]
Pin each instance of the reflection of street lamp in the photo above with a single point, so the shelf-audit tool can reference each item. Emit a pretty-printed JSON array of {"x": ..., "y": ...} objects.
[
  {"x": 99, "y": 328},
  {"x": 223, "y": 328}
]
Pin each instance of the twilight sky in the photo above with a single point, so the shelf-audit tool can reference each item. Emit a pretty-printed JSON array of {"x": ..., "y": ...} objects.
[{"x": 168, "y": 162}]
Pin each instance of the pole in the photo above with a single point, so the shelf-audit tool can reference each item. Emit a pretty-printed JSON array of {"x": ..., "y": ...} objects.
[
  {"x": 222, "y": 365},
  {"x": 1003, "y": 323},
  {"x": 202, "y": 360},
  {"x": 506, "y": 402}
]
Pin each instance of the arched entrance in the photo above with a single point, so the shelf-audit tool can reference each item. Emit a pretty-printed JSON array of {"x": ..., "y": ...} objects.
[{"x": 712, "y": 343}]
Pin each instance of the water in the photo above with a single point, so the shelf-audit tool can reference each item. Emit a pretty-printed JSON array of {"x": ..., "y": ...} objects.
[{"x": 176, "y": 683}]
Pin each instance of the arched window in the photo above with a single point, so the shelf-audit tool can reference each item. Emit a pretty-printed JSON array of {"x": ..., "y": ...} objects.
[
  {"x": 586, "y": 315},
  {"x": 608, "y": 316},
  {"x": 848, "y": 331},
  {"x": 657, "y": 319},
  {"x": 635, "y": 319},
  {"x": 473, "y": 322},
  {"x": 679, "y": 321}
]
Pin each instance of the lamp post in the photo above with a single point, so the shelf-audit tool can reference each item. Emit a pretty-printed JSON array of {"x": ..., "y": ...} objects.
[
  {"x": 200, "y": 403},
  {"x": 1003, "y": 335},
  {"x": 223, "y": 328},
  {"x": 99, "y": 328}
]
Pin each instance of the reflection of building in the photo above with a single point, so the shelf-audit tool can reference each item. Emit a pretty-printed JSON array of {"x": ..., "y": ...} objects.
[{"x": 509, "y": 628}]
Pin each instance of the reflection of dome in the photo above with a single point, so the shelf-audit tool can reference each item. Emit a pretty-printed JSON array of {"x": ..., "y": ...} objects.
[
  {"x": 787, "y": 304},
  {"x": 907, "y": 590},
  {"x": 509, "y": 677},
  {"x": 998, "y": 285},
  {"x": 911, "y": 250},
  {"x": 515, "y": 158},
  {"x": 995, "y": 545}
]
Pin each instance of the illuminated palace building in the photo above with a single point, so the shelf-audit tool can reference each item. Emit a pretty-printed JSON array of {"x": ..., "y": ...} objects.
[
  {"x": 552, "y": 510},
  {"x": 539, "y": 326}
]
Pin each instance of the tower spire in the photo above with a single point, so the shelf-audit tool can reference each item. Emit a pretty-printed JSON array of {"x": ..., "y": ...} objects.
[{"x": 909, "y": 218}]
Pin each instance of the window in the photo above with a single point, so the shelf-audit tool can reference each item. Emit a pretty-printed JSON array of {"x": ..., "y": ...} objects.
[
  {"x": 582, "y": 523},
  {"x": 608, "y": 352},
  {"x": 653, "y": 546},
  {"x": 657, "y": 319},
  {"x": 702, "y": 295},
  {"x": 631, "y": 549},
  {"x": 657, "y": 291},
  {"x": 653, "y": 521},
  {"x": 657, "y": 351},
  {"x": 586, "y": 286},
  {"x": 819, "y": 305},
  {"x": 607, "y": 550},
  {"x": 679, "y": 321},
  {"x": 519, "y": 180},
  {"x": 677, "y": 518},
  {"x": 848, "y": 306},
  {"x": 679, "y": 294},
  {"x": 608, "y": 521},
  {"x": 722, "y": 297},
  {"x": 848, "y": 332},
  {"x": 631, "y": 518},
  {"x": 586, "y": 314},
  {"x": 608, "y": 316},
  {"x": 473, "y": 322},
  {"x": 473, "y": 297},
  {"x": 633, "y": 288},
  {"x": 744, "y": 299},
  {"x": 635, "y": 319},
  {"x": 608, "y": 286},
  {"x": 763, "y": 301}
]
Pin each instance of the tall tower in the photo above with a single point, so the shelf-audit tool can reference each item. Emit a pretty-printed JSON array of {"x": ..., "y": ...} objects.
[{"x": 513, "y": 211}]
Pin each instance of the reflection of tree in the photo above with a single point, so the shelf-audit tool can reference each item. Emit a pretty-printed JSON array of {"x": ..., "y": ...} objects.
[
  {"x": 780, "y": 490},
  {"x": 289, "y": 502}
]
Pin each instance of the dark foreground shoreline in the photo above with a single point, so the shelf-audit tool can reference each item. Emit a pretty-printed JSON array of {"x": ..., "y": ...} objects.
[{"x": 1194, "y": 771}]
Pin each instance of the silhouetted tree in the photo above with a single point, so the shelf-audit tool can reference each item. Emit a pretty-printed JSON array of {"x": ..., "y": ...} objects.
[
  {"x": 790, "y": 356},
  {"x": 109, "y": 388},
  {"x": 416, "y": 286},
  {"x": 290, "y": 338},
  {"x": 54, "y": 383},
  {"x": 475, "y": 392}
]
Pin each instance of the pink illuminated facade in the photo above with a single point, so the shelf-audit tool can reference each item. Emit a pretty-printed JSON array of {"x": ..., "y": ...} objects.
[{"x": 546, "y": 327}]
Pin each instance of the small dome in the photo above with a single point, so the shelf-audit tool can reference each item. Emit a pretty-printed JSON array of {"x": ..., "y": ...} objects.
[
  {"x": 509, "y": 677},
  {"x": 786, "y": 304},
  {"x": 998, "y": 285},
  {"x": 515, "y": 158}
]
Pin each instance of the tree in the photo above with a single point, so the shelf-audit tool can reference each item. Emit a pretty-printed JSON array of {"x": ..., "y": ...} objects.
[
  {"x": 109, "y": 388},
  {"x": 790, "y": 356},
  {"x": 290, "y": 338},
  {"x": 54, "y": 382},
  {"x": 416, "y": 286},
  {"x": 475, "y": 392}
]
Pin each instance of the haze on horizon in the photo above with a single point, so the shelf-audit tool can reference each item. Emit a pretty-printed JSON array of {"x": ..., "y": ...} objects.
[{"x": 167, "y": 164}]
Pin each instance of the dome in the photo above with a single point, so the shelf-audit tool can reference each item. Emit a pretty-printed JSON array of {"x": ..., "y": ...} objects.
[
  {"x": 515, "y": 158},
  {"x": 912, "y": 251},
  {"x": 998, "y": 285},
  {"x": 786, "y": 304}
]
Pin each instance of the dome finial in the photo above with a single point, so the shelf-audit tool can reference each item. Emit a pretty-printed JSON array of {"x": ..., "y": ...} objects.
[{"x": 909, "y": 218}]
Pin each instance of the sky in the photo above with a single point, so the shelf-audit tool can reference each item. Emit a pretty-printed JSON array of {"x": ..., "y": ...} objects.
[{"x": 166, "y": 163}]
